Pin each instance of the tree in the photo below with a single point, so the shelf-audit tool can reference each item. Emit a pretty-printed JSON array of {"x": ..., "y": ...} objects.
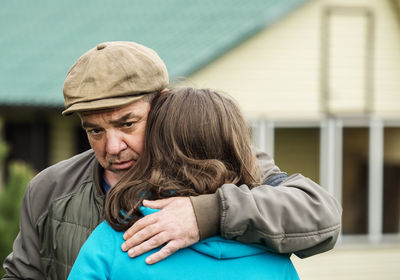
[{"x": 11, "y": 194}]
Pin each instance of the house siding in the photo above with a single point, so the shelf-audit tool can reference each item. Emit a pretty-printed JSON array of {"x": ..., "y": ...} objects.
[{"x": 277, "y": 74}]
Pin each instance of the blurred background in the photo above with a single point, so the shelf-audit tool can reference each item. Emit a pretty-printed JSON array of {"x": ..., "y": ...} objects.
[{"x": 318, "y": 82}]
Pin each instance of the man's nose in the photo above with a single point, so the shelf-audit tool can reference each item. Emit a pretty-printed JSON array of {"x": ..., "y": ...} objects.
[{"x": 115, "y": 143}]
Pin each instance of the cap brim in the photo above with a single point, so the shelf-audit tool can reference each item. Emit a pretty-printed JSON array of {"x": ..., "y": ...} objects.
[{"x": 101, "y": 104}]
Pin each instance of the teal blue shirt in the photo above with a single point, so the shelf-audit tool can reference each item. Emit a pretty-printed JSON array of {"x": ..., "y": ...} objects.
[{"x": 101, "y": 257}]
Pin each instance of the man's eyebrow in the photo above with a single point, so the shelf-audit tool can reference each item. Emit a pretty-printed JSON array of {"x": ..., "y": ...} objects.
[
  {"x": 122, "y": 119},
  {"x": 88, "y": 125},
  {"x": 125, "y": 118}
]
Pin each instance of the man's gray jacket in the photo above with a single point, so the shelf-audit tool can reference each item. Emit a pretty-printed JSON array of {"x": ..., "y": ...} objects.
[{"x": 64, "y": 203}]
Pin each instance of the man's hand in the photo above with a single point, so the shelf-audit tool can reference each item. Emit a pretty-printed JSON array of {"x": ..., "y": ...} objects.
[{"x": 175, "y": 226}]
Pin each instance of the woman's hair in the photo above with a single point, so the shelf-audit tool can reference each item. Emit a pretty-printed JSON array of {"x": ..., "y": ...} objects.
[{"x": 196, "y": 140}]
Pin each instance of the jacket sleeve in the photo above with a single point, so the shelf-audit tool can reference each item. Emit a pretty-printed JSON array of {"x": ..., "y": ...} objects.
[
  {"x": 24, "y": 261},
  {"x": 287, "y": 214}
]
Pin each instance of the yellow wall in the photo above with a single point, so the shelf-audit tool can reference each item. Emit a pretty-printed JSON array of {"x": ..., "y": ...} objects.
[
  {"x": 387, "y": 77},
  {"x": 276, "y": 74},
  {"x": 297, "y": 151}
]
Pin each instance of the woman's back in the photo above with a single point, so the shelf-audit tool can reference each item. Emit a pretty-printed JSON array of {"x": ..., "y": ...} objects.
[{"x": 212, "y": 258}]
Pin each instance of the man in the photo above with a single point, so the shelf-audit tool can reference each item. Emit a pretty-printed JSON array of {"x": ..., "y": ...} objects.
[{"x": 111, "y": 88}]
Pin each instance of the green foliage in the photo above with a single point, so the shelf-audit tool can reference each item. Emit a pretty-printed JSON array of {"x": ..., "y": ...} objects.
[
  {"x": 3, "y": 152},
  {"x": 11, "y": 194}
]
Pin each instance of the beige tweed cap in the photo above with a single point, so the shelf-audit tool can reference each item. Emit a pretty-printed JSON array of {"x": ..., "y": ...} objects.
[{"x": 111, "y": 75}]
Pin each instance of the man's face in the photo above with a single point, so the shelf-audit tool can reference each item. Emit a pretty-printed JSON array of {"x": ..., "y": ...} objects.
[{"x": 117, "y": 136}]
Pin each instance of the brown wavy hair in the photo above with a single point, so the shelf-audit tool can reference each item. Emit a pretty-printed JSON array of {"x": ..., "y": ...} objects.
[{"x": 196, "y": 141}]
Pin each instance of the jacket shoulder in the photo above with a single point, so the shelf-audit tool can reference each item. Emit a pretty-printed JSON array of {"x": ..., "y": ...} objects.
[{"x": 60, "y": 179}]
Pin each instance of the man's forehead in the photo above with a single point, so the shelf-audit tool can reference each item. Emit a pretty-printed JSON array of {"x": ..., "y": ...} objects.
[
  {"x": 138, "y": 106},
  {"x": 135, "y": 109},
  {"x": 99, "y": 111}
]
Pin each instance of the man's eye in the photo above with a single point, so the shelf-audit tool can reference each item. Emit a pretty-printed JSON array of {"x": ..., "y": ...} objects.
[
  {"x": 127, "y": 124},
  {"x": 94, "y": 131}
]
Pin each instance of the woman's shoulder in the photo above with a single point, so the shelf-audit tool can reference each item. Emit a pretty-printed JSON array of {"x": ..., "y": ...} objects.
[{"x": 104, "y": 236}]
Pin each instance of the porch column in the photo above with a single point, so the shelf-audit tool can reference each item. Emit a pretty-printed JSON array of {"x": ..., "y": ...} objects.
[
  {"x": 263, "y": 135},
  {"x": 331, "y": 156},
  {"x": 375, "y": 179}
]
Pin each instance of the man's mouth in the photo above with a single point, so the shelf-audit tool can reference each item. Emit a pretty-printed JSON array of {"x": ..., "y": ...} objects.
[{"x": 122, "y": 165}]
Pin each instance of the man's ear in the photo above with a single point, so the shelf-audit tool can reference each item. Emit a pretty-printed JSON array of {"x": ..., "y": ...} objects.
[
  {"x": 79, "y": 114},
  {"x": 164, "y": 91}
]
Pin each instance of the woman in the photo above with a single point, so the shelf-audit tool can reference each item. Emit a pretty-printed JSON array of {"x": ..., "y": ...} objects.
[{"x": 196, "y": 140}]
